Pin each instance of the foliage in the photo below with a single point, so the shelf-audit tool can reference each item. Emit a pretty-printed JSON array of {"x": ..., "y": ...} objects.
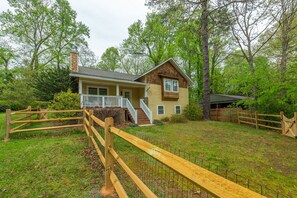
[
  {"x": 193, "y": 111},
  {"x": 110, "y": 59},
  {"x": 178, "y": 119},
  {"x": 4, "y": 105},
  {"x": 51, "y": 81},
  {"x": 133, "y": 125},
  {"x": 19, "y": 90},
  {"x": 53, "y": 31},
  {"x": 40, "y": 104},
  {"x": 65, "y": 101},
  {"x": 158, "y": 122},
  {"x": 9, "y": 104},
  {"x": 165, "y": 119}
]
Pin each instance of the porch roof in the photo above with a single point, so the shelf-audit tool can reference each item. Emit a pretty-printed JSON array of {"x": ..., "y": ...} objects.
[{"x": 85, "y": 72}]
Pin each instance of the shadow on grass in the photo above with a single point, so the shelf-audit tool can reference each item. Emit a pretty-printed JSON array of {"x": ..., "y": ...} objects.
[{"x": 46, "y": 134}]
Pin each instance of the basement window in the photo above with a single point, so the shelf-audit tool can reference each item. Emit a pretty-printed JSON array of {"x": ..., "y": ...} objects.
[{"x": 161, "y": 109}]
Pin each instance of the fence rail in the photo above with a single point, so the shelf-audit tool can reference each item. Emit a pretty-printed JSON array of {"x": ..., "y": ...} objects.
[
  {"x": 41, "y": 116},
  {"x": 214, "y": 185}
]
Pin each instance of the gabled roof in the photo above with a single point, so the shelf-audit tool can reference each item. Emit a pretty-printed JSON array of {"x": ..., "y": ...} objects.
[
  {"x": 87, "y": 72},
  {"x": 174, "y": 65}
]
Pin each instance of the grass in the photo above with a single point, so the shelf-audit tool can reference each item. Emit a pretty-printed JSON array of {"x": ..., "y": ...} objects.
[
  {"x": 51, "y": 164},
  {"x": 47, "y": 164},
  {"x": 263, "y": 156}
]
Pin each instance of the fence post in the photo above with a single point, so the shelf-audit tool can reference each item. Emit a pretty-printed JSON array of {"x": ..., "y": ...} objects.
[
  {"x": 29, "y": 115},
  {"x": 238, "y": 120},
  {"x": 282, "y": 121},
  {"x": 256, "y": 119},
  {"x": 295, "y": 119},
  {"x": 8, "y": 119},
  {"x": 91, "y": 123},
  {"x": 217, "y": 114},
  {"x": 109, "y": 137}
]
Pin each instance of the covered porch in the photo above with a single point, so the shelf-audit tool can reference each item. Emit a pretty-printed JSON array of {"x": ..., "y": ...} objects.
[{"x": 103, "y": 94}]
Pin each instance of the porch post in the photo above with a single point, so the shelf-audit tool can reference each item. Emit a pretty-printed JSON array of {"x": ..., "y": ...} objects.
[
  {"x": 145, "y": 91},
  {"x": 80, "y": 93},
  {"x": 118, "y": 90}
]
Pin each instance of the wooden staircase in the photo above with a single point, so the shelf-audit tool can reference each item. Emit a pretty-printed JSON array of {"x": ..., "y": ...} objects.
[{"x": 142, "y": 118}]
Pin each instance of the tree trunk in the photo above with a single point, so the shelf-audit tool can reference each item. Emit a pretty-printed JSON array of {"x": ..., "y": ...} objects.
[
  {"x": 285, "y": 47},
  {"x": 206, "y": 81}
]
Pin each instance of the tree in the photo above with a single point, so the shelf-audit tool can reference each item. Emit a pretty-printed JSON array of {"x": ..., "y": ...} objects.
[
  {"x": 51, "y": 81},
  {"x": 43, "y": 30},
  {"x": 187, "y": 9},
  {"x": 68, "y": 33},
  {"x": 152, "y": 39},
  {"x": 110, "y": 59},
  {"x": 247, "y": 17},
  {"x": 87, "y": 57}
]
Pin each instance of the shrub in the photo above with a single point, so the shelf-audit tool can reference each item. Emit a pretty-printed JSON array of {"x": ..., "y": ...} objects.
[
  {"x": 4, "y": 106},
  {"x": 65, "y": 101},
  {"x": 178, "y": 119},
  {"x": 158, "y": 122},
  {"x": 13, "y": 105},
  {"x": 193, "y": 112},
  {"x": 133, "y": 125},
  {"x": 165, "y": 119},
  {"x": 40, "y": 104}
]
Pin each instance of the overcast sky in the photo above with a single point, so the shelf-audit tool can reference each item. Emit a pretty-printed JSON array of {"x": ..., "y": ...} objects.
[{"x": 108, "y": 20}]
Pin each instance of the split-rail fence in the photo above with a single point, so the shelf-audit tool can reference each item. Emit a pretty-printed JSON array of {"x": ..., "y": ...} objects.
[{"x": 208, "y": 182}]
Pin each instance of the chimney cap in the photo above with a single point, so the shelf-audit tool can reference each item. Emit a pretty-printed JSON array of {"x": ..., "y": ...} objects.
[{"x": 74, "y": 49}]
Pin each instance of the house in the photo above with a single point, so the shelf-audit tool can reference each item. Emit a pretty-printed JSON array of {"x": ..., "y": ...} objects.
[
  {"x": 224, "y": 100},
  {"x": 159, "y": 92}
]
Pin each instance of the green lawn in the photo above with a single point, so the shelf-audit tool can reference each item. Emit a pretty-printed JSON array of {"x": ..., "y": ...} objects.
[
  {"x": 47, "y": 164},
  {"x": 262, "y": 156},
  {"x": 52, "y": 164}
]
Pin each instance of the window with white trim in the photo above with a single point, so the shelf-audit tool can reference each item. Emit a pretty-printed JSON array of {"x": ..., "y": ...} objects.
[
  {"x": 170, "y": 85},
  {"x": 161, "y": 109},
  {"x": 167, "y": 85},
  {"x": 177, "y": 109},
  {"x": 98, "y": 91},
  {"x": 175, "y": 85}
]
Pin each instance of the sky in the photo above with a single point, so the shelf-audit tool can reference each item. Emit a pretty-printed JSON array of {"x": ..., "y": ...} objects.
[{"x": 108, "y": 20}]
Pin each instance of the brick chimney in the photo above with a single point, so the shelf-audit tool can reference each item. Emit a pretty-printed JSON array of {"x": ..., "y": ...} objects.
[{"x": 74, "y": 59}]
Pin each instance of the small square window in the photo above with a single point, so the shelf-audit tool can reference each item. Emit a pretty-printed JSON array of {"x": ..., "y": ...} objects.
[
  {"x": 167, "y": 85},
  {"x": 175, "y": 85},
  {"x": 177, "y": 110},
  {"x": 161, "y": 110}
]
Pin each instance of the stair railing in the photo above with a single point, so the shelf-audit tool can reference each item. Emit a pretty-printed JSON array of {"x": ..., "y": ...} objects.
[{"x": 146, "y": 110}]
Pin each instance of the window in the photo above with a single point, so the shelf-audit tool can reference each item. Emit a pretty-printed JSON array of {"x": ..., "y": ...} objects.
[
  {"x": 170, "y": 85},
  {"x": 167, "y": 84},
  {"x": 177, "y": 109},
  {"x": 175, "y": 85},
  {"x": 97, "y": 91},
  {"x": 92, "y": 90},
  {"x": 103, "y": 91},
  {"x": 161, "y": 109}
]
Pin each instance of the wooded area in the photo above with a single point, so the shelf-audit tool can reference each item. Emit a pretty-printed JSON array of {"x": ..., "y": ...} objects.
[{"x": 245, "y": 48}]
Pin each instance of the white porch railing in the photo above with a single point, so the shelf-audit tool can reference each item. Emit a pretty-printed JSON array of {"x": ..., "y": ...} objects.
[
  {"x": 108, "y": 101},
  {"x": 100, "y": 101},
  {"x": 127, "y": 104},
  {"x": 146, "y": 110}
]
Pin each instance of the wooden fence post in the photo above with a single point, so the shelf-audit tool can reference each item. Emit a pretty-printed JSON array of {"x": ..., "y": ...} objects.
[
  {"x": 295, "y": 119},
  {"x": 8, "y": 119},
  {"x": 256, "y": 119},
  {"x": 238, "y": 120},
  {"x": 91, "y": 123},
  {"x": 282, "y": 121},
  {"x": 109, "y": 161}
]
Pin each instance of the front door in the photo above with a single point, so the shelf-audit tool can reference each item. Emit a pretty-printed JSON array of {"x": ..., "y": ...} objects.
[{"x": 128, "y": 94}]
